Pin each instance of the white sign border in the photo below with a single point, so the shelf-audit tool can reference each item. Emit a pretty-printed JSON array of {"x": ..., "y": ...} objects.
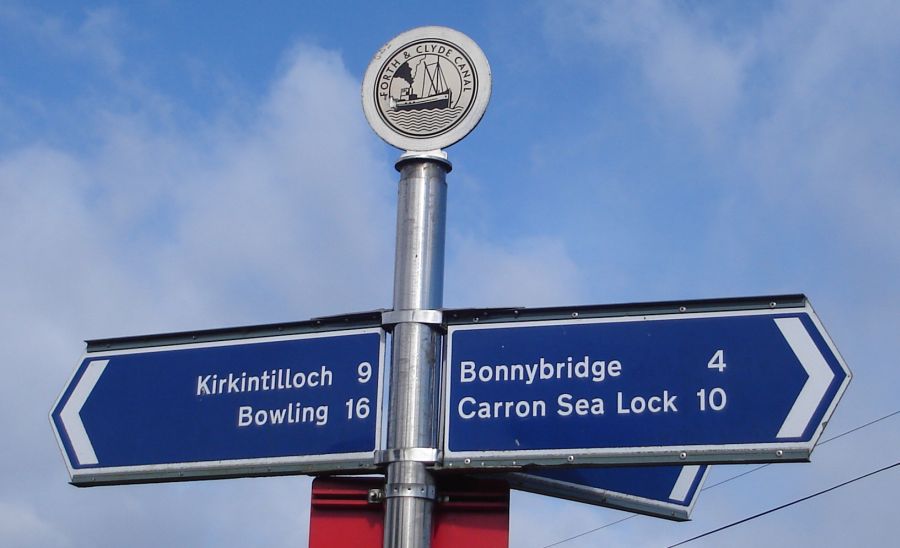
[
  {"x": 337, "y": 462},
  {"x": 661, "y": 455}
]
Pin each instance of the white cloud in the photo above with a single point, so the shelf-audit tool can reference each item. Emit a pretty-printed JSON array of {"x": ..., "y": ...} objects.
[
  {"x": 20, "y": 526},
  {"x": 94, "y": 38},
  {"x": 157, "y": 229},
  {"x": 528, "y": 272},
  {"x": 302, "y": 209},
  {"x": 804, "y": 196},
  {"x": 800, "y": 101},
  {"x": 151, "y": 226},
  {"x": 829, "y": 139},
  {"x": 696, "y": 74}
]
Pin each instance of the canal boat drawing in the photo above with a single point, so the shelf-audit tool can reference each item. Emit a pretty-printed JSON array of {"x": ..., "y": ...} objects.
[
  {"x": 425, "y": 92},
  {"x": 428, "y": 80}
]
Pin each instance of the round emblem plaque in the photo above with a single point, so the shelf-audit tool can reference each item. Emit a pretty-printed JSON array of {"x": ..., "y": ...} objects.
[{"x": 426, "y": 89}]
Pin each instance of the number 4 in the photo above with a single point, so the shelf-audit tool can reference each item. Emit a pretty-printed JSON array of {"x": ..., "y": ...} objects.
[{"x": 717, "y": 361}]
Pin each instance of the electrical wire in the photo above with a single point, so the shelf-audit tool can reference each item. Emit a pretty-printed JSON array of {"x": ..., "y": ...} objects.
[
  {"x": 783, "y": 506},
  {"x": 852, "y": 430},
  {"x": 823, "y": 442},
  {"x": 610, "y": 524}
]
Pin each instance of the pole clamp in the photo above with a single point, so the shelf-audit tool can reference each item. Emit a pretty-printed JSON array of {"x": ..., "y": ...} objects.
[
  {"x": 438, "y": 156},
  {"x": 427, "y": 455},
  {"x": 393, "y": 317},
  {"x": 412, "y": 490}
]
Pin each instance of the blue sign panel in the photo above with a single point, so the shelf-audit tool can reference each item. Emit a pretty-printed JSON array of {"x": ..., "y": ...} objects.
[
  {"x": 259, "y": 406},
  {"x": 738, "y": 386},
  {"x": 662, "y": 491}
]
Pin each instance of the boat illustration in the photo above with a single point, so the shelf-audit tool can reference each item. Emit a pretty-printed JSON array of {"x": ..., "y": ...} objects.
[{"x": 427, "y": 90}]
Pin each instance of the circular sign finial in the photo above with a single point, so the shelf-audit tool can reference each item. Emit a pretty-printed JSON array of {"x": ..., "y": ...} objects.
[{"x": 426, "y": 89}]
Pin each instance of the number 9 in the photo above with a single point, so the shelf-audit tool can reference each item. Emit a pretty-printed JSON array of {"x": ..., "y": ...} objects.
[{"x": 364, "y": 370}]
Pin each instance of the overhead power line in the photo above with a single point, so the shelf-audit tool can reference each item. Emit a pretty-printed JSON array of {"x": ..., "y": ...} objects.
[
  {"x": 783, "y": 506},
  {"x": 579, "y": 535},
  {"x": 852, "y": 430},
  {"x": 823, "y": 442}
]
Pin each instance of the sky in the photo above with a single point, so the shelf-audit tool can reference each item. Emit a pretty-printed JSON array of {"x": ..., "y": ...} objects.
[{"x": 169, "y": 166}]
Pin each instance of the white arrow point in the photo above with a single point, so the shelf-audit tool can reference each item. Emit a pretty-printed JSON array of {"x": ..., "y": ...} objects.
[
  {"x": 684, "y": 482},
  {"x": 71, "y": 413},
  {"x": 820, "y": 376}
]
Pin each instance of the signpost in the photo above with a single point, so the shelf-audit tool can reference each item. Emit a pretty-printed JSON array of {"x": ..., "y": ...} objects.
[
  {"x": 423, "y": 91},
  {"x": 254, "y": 406},
  {"x": 674, "y": 384},
  {"x": 703, "y": 383},
  {"x": 668, "y": 492}
]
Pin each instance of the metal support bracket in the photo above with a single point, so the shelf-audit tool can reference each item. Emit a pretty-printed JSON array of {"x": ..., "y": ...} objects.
[
  {"x": 427, "y": 455},
  {"x": 430, "y": 317},
  {"x": 413, "y": 490}
]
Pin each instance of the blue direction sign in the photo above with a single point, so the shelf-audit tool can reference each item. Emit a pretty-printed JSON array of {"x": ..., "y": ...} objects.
[
  {"x": 662, "y": 491},
  {"x": 260, "y": 406},
  {"x": 748, "y": 385}
]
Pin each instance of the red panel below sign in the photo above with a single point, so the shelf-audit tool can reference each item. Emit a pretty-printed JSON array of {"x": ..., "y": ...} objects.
[{"x": 469, "y": 513}]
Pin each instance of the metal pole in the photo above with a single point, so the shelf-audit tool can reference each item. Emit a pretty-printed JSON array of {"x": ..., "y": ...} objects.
[{"x": 418, "y": 295}]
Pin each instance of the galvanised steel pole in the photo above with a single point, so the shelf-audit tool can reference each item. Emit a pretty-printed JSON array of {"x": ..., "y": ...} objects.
[{"x": 418, "y": 296}]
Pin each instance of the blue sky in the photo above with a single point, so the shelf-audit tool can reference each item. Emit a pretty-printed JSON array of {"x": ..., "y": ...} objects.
[{"x": 167, "y": 167}]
